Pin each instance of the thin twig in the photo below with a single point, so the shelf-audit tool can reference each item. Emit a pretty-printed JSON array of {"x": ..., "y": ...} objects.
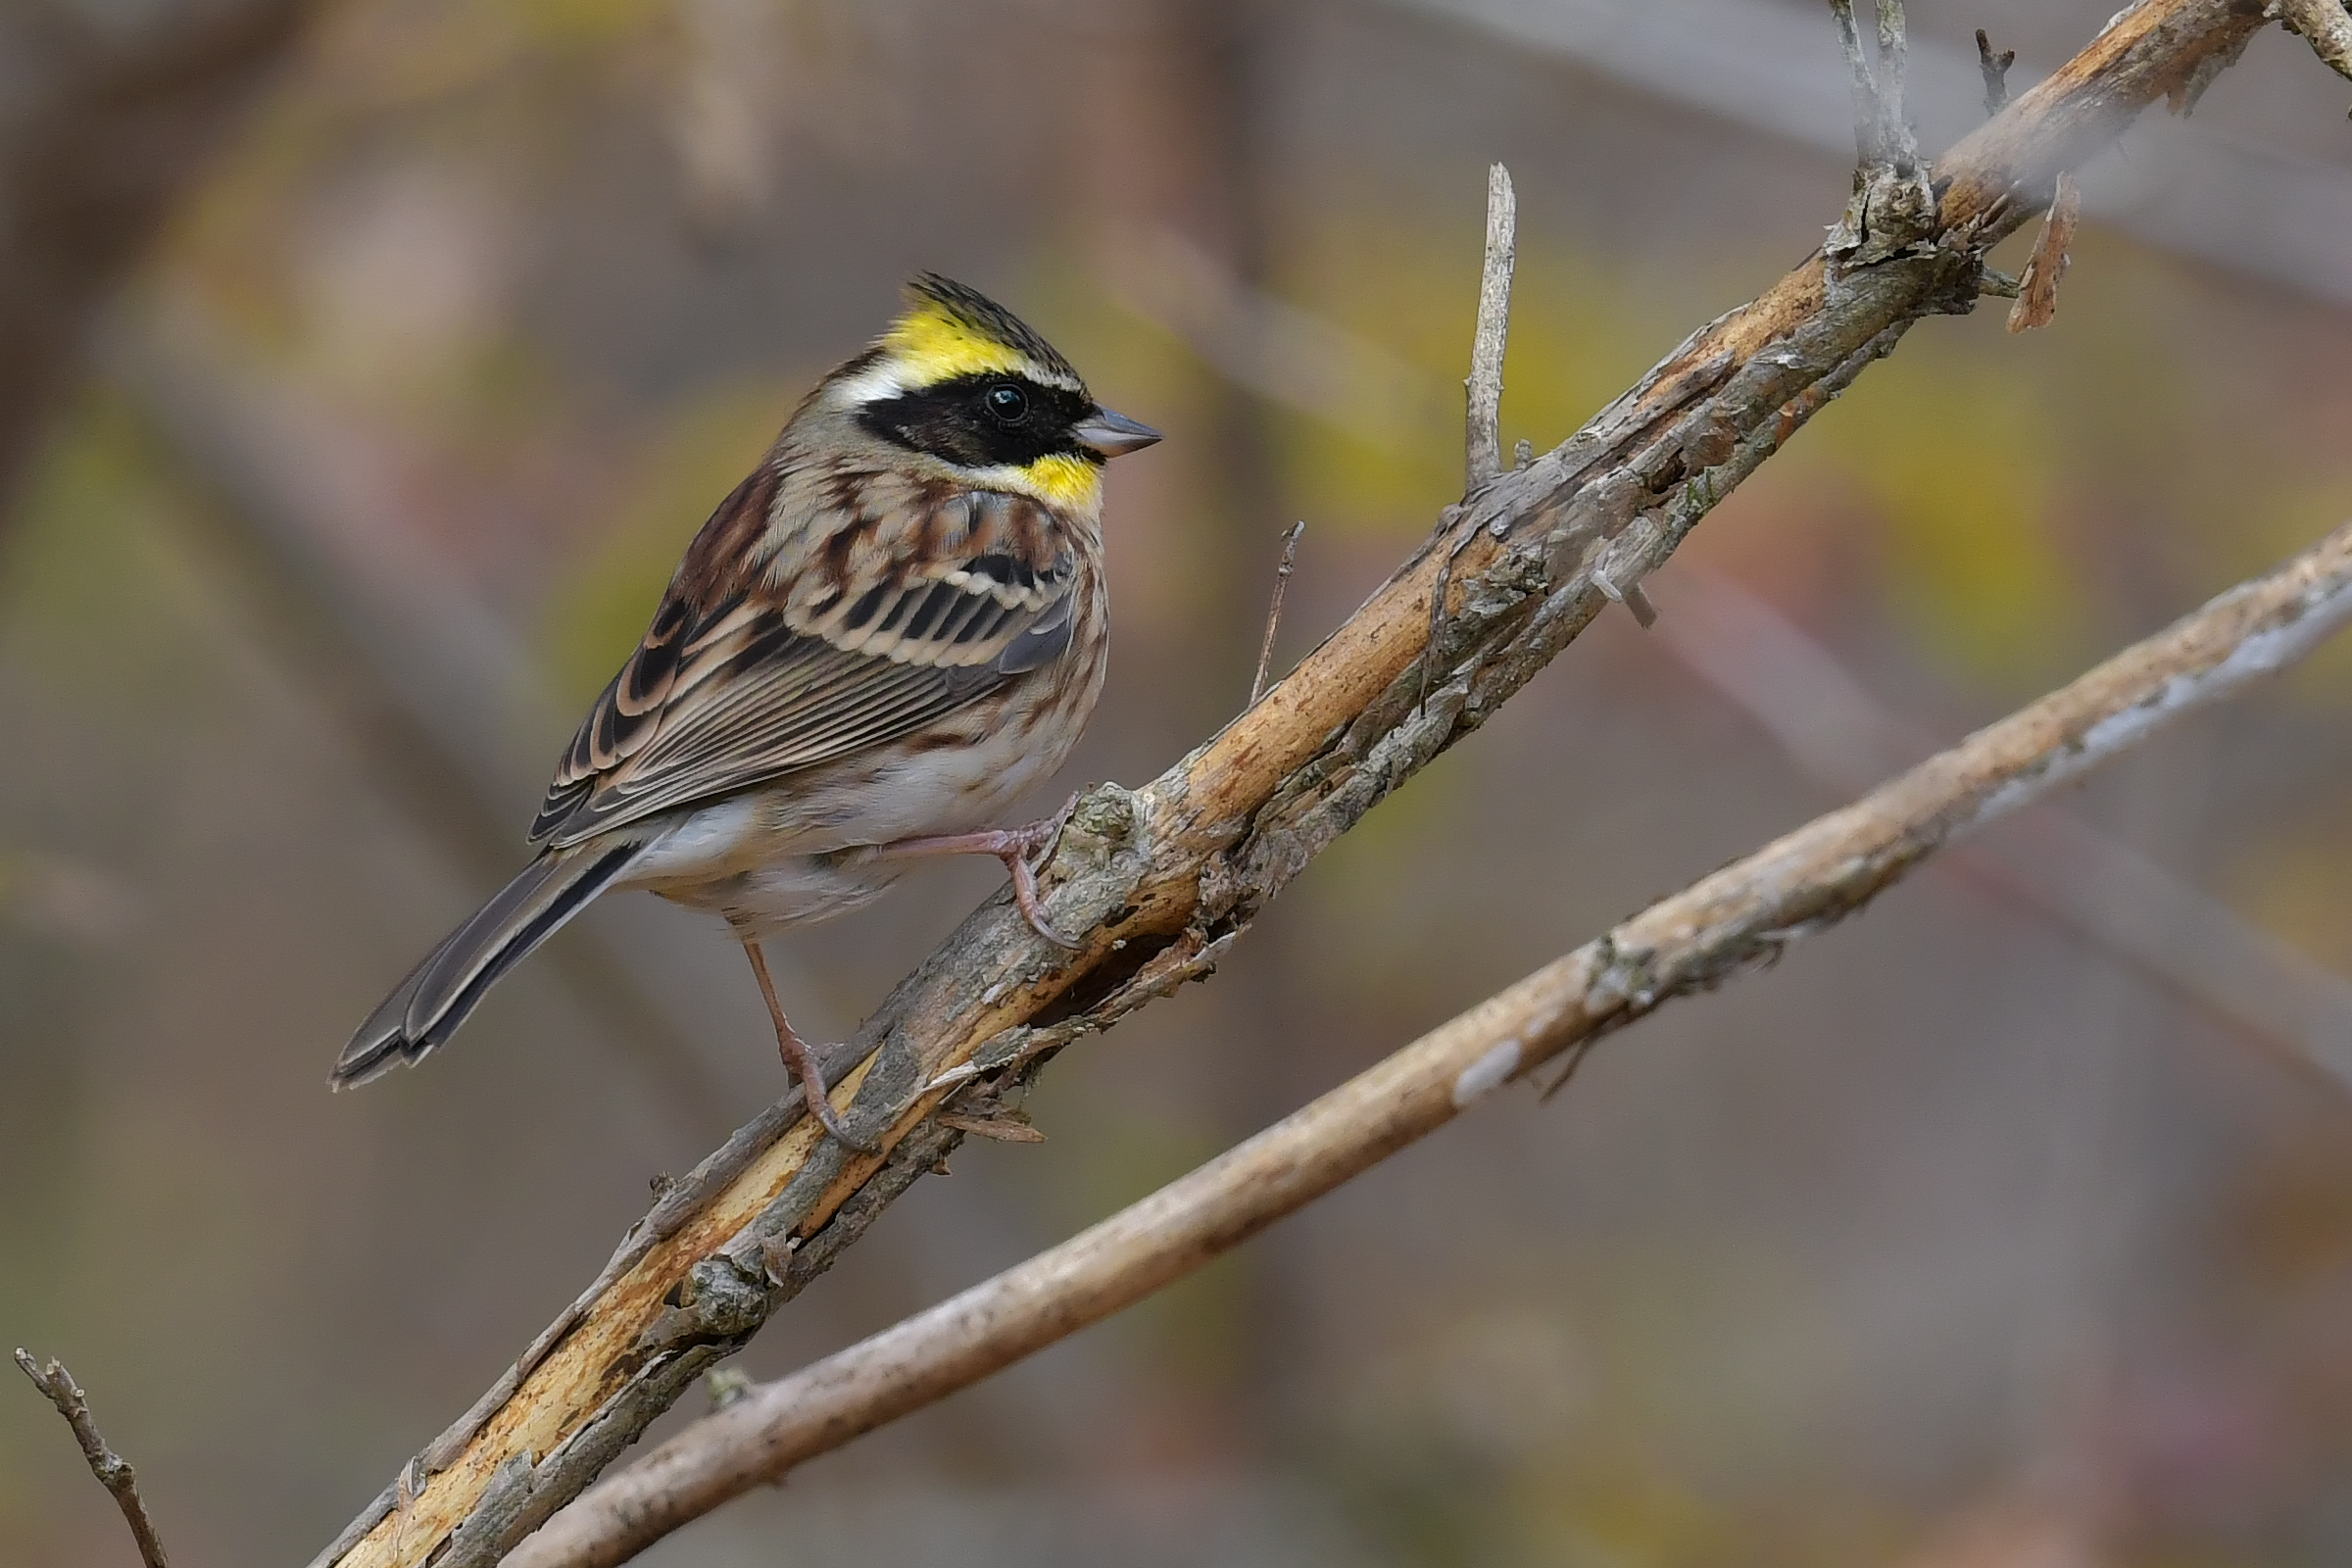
[
  {"x": 112, "y": 1471},
  {"x": 1733, "y": 921},
  {"x": 1893, "y": 204},
  {"x": 1487, "y": 345},
  {"x": 1895, "y": 71},
  {"x": 1282, "y": 581},
  {"x": 1485, "y": 383},
  {"x": 1864, "y": 87},
  {"x": 1995, "y": 69}
]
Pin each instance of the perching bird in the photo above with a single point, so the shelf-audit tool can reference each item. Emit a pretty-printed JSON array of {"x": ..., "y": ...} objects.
[{"x": 895, "y": 626}]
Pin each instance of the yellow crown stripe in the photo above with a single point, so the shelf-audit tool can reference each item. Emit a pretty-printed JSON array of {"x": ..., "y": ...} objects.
[{"x": 932, "y": 345}]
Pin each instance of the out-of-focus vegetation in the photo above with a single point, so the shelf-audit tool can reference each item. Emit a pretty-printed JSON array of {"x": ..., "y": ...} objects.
[{"x": 1945, "y": 1213}]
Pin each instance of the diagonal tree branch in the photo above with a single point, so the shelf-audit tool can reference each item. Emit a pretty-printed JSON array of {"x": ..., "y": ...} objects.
[
  {"x": 1739, "y": 918},
  {"x": 1164, "y": 877}
]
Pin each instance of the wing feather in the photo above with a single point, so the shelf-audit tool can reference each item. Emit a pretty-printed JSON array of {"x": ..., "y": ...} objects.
[{"x": 753, "y": 669}]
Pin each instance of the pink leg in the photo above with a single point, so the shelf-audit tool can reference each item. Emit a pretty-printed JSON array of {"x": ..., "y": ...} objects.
[
  {"x": 1012, "y": 845},
  {"x": 799, "y": 1059}
]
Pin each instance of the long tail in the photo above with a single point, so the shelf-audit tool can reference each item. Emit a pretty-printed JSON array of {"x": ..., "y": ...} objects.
[{"x": 427, "y": 1007}]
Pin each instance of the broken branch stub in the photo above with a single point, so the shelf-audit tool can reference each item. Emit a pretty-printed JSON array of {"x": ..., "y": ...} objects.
[
  {"x": 2037, "y": 285},
  {"x": 2324, "y": 25},
  {"x": 1493, "y": 334}
]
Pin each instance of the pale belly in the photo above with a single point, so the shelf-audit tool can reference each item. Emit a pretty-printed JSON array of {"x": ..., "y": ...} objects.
[{"x": 797, "y": 852}]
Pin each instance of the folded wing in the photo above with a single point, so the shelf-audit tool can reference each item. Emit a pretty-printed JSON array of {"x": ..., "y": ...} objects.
[{"x": 885, "y": 619}]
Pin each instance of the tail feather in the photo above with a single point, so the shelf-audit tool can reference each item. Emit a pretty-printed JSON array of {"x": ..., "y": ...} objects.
[{"x": 441, "y": 992}]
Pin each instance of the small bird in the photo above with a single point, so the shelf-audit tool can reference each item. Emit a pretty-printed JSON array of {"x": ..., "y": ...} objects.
[{"x": 888, "y": 632}]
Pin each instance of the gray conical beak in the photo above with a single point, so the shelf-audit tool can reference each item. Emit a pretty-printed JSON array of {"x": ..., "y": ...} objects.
[{"x": 1113, "y": 434}]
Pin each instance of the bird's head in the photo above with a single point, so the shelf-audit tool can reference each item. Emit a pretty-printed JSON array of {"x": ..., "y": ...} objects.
[{"x": 961, "y": 379}]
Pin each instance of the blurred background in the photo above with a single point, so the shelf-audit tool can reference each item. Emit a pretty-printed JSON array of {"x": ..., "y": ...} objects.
[{"x": 365, "y": 367}]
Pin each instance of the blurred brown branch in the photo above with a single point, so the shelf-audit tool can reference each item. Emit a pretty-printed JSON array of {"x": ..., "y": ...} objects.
[
  {"x": 112, "y": 1471},
  {"x": 437, "y": 694},
  {"x": 2173, "y": 934},
  {"x": 113, "y": 114},
  {"x": 1740, "y": 917},
  {"x": 1163, "y": 877}
]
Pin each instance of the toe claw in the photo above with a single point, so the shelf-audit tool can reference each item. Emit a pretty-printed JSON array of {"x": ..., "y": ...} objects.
[
  {"x": 1033, "y": 910},
  {"x": 1046, "y": 930},
  {"x": 821, "y": 1108}
]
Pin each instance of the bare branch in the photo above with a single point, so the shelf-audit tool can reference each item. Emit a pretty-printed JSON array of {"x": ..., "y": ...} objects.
[
  {"x": 1895, "y": 77},
  {"x": 1893, "y": 204},
  {"x": 2324, "y": 25},
  {"x": 1282, "y": 581},
  {"x": 1739, "y": 918},
  {"x": 1493, "y": 328},
  {"x": 112, "y": 1471},
  {"x": 1867, "y": 146},
  {"x": 1162, "y": 879},
  {"x": 1995, "y": 69},
  {"x": 2037, "y": 285}
]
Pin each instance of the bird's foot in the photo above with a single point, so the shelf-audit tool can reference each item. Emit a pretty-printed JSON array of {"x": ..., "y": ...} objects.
[
  {"x": 802, "y": 1062},
  {"x": 1016, "y": 847},
  {"x": 799, "y": 1059}
]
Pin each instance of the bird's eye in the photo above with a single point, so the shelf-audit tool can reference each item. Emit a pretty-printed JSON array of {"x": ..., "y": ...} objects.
[{"x": 1007, "y": 403}]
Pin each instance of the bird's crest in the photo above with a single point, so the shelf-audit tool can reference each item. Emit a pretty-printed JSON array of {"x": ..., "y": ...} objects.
[{"x": 949, "y": 330}]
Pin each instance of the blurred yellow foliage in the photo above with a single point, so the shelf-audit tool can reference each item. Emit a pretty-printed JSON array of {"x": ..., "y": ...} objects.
[
  {"x": 84, "y": 573},
  {"x": 1957, "y": 455}
]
